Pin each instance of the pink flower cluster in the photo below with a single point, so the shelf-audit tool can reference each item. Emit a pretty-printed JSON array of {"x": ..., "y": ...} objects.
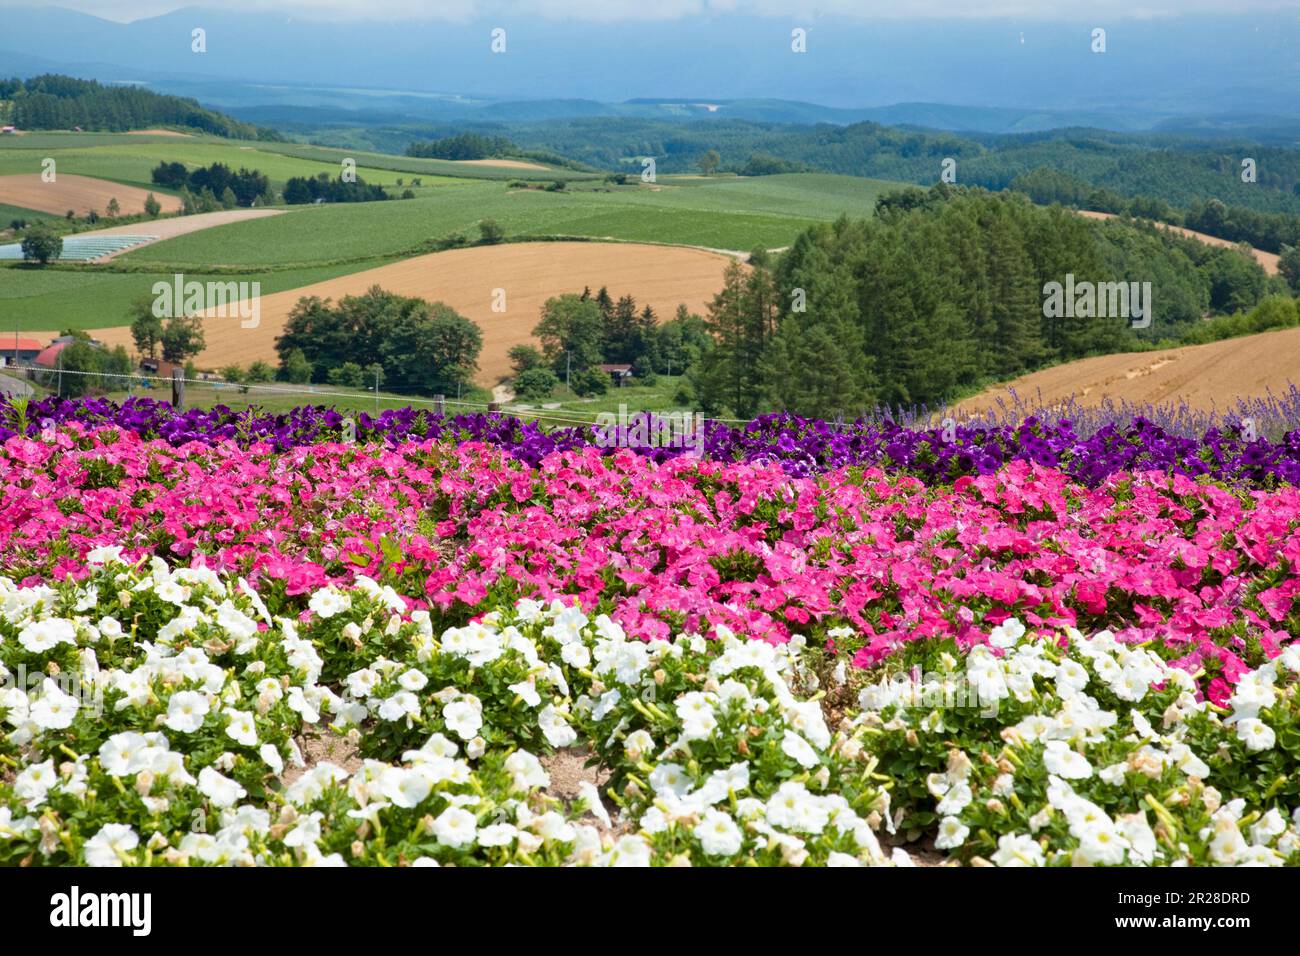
[{"x": 1208, "y": 573}]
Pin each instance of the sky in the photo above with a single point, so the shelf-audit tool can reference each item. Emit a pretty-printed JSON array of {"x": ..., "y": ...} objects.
[{"x": 615, "y": 10}]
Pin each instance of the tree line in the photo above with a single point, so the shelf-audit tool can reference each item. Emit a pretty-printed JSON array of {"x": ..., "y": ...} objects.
[
  {"x": 1172, "y": 168},
  {"x": 54, "y": 101},
  {"x": 420, "y": 346},
  {"x": 302, "y": 190},
  {"x": 1270, "y": 231},
  {"x": 578, "y": 332},
  {"x": 218, "y": 182},
  {"x": 940, "y": 293}
]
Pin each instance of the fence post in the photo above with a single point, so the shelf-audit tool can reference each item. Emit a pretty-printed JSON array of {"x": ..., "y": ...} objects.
[
  {"x": 440, "y": 405},
  {"x": 494, "y": 407},
  {"x": 178, "y": 388}
]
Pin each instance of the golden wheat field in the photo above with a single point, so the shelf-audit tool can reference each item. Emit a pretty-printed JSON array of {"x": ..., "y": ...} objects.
[{"x": 468, "y": 279}]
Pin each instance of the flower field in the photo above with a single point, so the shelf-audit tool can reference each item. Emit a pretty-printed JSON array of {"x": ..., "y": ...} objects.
[{"x": 814, "y": 645}]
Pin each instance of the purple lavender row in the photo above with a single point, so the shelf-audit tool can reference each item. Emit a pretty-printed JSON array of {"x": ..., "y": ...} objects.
[{"x": 1088, "y": 449}]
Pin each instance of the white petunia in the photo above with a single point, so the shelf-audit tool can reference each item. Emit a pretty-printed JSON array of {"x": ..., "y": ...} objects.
[
  {"x": 113, "y": 838},
  {"x": 242, "y": 728},
  {"x": 555, "y": 728},
  {"x": 952, "y": 834},
  {"x": 1016, "y": 849},
  {"x": 798, "y": 750},
  {"x": 185, "y": 711},
  {"x": 221, "y": 790},
  {"x": 1256, "y": 734},
  {"x": 328, "y": 602},
  {"x": 405, "y": 788},
  {"x": 54, "y": 710},
  {"x": 527, "y": 691},
  {"x": 955, "y": 800},
  {"x": 401, "y": 705},
  {"x": 413, "y": 680},
  {"x": 41, "y": 636},
  {"x": 1059, "y": 759},
  {"x": 1007, "y": 633},
  {"x": 455, "y": 827},
  {"x": 497, "y": 834},
  {"x": 526, "y": 770},
  {"x": 271, "y": 757},
  {"x": 463, "y": 719},
  {"x": 718, "y": 834}
]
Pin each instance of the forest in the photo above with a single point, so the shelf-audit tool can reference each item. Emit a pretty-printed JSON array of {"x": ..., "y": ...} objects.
[
  {"x": 54, "y": 102},
  {"x": 940, "y": 293}
]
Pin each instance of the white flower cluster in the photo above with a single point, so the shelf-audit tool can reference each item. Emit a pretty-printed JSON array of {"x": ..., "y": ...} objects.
[
  {"x": 1105, "y": 718},
  {"x": 162, "y": 721}
]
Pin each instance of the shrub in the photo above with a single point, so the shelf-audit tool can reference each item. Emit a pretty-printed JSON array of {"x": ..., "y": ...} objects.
[{"x": 535, "y": 383}]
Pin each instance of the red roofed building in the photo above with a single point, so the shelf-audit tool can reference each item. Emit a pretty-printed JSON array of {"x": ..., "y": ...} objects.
[
  {"x": 617, "y": 372},
  {"x": 19, "y": 349},
  {"x": 49, "y": 357}
]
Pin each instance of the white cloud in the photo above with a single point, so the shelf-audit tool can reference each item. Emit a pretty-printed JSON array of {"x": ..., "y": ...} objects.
[{"x": 613, "y": 10}]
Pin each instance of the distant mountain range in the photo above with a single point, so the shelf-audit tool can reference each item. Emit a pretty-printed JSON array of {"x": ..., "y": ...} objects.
[{"x": 1200, "y": 73}]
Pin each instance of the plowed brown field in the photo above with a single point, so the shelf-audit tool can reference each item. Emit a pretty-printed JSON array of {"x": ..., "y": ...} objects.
[{"x": 78, "y": 193}]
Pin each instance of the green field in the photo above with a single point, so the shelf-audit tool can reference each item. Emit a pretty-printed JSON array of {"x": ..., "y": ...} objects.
[
  {"x": 313, "y": 243},
  {"x": 133, "y": 161},
  {"x": 9, "y": 213},
  {"x": 94, "y": 297},
  {"x": 723, "y": 214}
]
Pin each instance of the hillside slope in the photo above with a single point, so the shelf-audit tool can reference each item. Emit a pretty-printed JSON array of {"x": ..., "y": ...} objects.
[{"x": 1203, "y": 376}]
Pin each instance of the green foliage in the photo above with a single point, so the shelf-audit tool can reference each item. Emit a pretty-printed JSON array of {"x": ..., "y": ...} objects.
[
  {"x": 294, "y": 367},
  {"x": 104, "y": 368},
  {"x": 419, "y": 346},
  {"x": 146, "y": 327},
  {"x": 742, "y": 320},
  {"x": 490, "y": 232},
  {"x": 572, "y": 334},
  {"x": 349, "y": 375},
  {"x": 182, "y": 338},
  {"x": 535, "y": 384},
  {"x": 644, "y": 370},
  {"x": 590, "y": 381},
  {"x": 524, "y": 358},
  {"x": 302, "y": 190},
  {"x": 464, "y": 146},
  {"x": 1288, "y": 266},
  {"x": 41, "y": 245},
  {"x": 1275, "y": 312},
  {"x": 52, "y": 101}
]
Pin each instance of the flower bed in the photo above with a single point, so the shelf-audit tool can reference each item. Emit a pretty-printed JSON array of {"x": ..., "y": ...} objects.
[
  {"x": 801, "y": 447},
  {"x": 852, "y": 667},
  {"x": 1206, "y": 574},
  {"x": 162, "y": 730}
]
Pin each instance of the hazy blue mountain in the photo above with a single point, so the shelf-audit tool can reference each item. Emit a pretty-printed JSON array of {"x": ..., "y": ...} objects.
[{"x": 1152, "y": 70}]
